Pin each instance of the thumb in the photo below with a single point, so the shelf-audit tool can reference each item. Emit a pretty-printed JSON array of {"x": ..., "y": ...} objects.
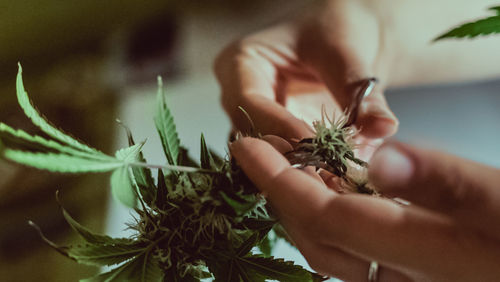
[
  {"x": 462, "y": 189},
  {"x": 341, "y": 52}
]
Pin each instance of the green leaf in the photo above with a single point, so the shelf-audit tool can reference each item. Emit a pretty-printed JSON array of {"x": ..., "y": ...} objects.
[
  {"x": 224, "y": 271},
  {"x": 122, "y": 188},
  {"x": 90, "y": 236},
  {"x": 266, "y": 246},
  {"x": 496, "y": 9},
  {"x": 206, "y": 160},
  {"x": 277, "y": 269},
  {"x": 247, "y": 246},
  {"x": 242, "y": 205},
  {"x": 472, "y": 29},
  {"x": 60, "y": 162},
  {"x": 121, "y": 184},
  {"x": 130, "y": 154},
  {"x": 162, "y": 191},
  {"x": 37, "y": 119},
  {"x": 142, "y": 175},
  {"x": 142, "y": 268},
  {"x": 96, "y": 254},
  {"x": 172, "y": 275},
  {"x": 28, "y": 141},
  {"x": 103, "y": 254},
  {"x": 165, "y": 125}
]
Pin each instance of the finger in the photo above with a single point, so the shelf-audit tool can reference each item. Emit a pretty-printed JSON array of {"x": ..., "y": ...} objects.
[
  {"x": 296, "y": 196},
  {"x": 375, "y": 118},
  {"x": 288, "y": 189},
  {"x": 282, "y": 146},
  {"x": 463, "y": 189},
  {"x": 372, "y": 228},
  {"x": 249, "y": 75},
  {"x": 410, "y": 240},
  {"x": 346, "y": 54},
  {"x": 336, "y": 263}
]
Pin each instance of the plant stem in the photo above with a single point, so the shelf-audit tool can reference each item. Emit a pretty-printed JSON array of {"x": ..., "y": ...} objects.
[{"x": 173, "y": 167}]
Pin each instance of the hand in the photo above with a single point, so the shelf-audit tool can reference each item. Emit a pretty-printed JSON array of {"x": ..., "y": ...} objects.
[
  {"x": 449, "y": 233},
  {"x": 283, "y": 75}
]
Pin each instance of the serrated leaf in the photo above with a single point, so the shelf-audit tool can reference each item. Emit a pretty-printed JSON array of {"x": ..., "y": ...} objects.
[
  {"x": 90, "y": 236},
  {"x": 266, "y": 246},
  {"x": 472, "y": 29},
  {"x": 165, "y": 125},
  {"x": 28, "y": 141},
  {"x": 121, "y": 187},
  {"x": 247, "y": 245},
  {"x": 151, "y": 271},
  {"x": 37, "y": 119},
  {"x": 142, "y": 268},
  {"x": 130, "y": 154},
  {"x": 121, "y": 184},
  {"x": 223, "y": 271},
  {"x": 242, "y": 205},
  {"x": 60, "y": 162},
  {"x": 96, "y": 254},
  {"x": 162, "y": 191},
  {"x": 103, "y": 254},
  {"x": 259, "y": 224},
  {"x": 206, "y": 160},
  {"x": 142, "y": 175},
  {"x": 278, "y": 269}
]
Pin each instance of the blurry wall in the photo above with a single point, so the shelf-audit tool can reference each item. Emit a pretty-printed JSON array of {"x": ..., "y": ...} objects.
[{"x": 89, "y": 62}]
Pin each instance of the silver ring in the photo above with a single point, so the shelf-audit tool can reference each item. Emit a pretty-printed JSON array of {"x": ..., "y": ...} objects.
[
  {"x": 373, "y": 272},
  {"x": 365, "y": 88}
]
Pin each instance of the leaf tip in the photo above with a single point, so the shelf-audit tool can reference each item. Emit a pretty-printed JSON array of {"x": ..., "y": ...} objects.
[{"x": 159, "y": 80}]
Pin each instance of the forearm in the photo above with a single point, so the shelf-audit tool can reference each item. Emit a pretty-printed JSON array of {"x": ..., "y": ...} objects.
[{"x": 408, "y": 28}]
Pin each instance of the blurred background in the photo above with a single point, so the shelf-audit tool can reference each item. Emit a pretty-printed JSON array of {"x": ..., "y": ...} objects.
[{"x": 87, "y": 63}]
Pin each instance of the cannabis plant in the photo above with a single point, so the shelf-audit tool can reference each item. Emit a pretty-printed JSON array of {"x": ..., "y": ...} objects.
[
  {"x": 332, "y": 149},
  {"x": 196, "y": 220},
  {"x": 485, "y": 26}
]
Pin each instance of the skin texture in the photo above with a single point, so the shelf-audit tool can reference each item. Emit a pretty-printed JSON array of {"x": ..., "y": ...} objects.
[
  {"x": 283, "y": 75},
  {"x": 449, "y": 233}
]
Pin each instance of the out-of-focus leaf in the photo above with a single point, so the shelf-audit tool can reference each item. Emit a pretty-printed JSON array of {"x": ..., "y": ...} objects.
[
  {"x": 165, "y": 125},
  {"x": 90, "y": 236},
  {"x": 41, "y": 122},
  {"x": 60, "y": 162},
  {"x": 206, "y": 160},
  {"x": 472, "y": 29}
]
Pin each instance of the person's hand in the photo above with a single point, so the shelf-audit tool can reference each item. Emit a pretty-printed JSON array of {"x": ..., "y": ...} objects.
[
  {"x": 285, "y": 74},
  {"x": 450, "y": 232}
]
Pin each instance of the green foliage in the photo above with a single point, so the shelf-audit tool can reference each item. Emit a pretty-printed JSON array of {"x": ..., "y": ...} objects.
[
  {"x": 200, "y": 220},
  {"x": 42, "y": 123},
  {"x": 165, "y": 125},
  {"x": 484, "y": 26}
]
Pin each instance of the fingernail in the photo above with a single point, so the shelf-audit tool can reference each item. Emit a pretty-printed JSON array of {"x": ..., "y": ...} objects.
[
  {"x": 390, "y": 168},
  {"x": 377, "y": 110}
]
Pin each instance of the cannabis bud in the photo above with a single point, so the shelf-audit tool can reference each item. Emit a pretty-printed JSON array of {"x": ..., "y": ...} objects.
[{"x": 332, "y": 149}]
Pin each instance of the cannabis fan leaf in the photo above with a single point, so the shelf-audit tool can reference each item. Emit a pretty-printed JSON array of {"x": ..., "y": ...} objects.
[
  {"x": 196, "y": 220},
  {"x": 480, "y": 27}
]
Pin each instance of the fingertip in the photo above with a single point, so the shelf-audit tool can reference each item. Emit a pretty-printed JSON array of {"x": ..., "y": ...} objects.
[
  {"x": 280, "y": 144},
  {"x": 376, "y": 127},
  {"x": 391, "y": 168},
  {"x": 259, "y": 159},
  {"x": 376, "y": 119}
]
